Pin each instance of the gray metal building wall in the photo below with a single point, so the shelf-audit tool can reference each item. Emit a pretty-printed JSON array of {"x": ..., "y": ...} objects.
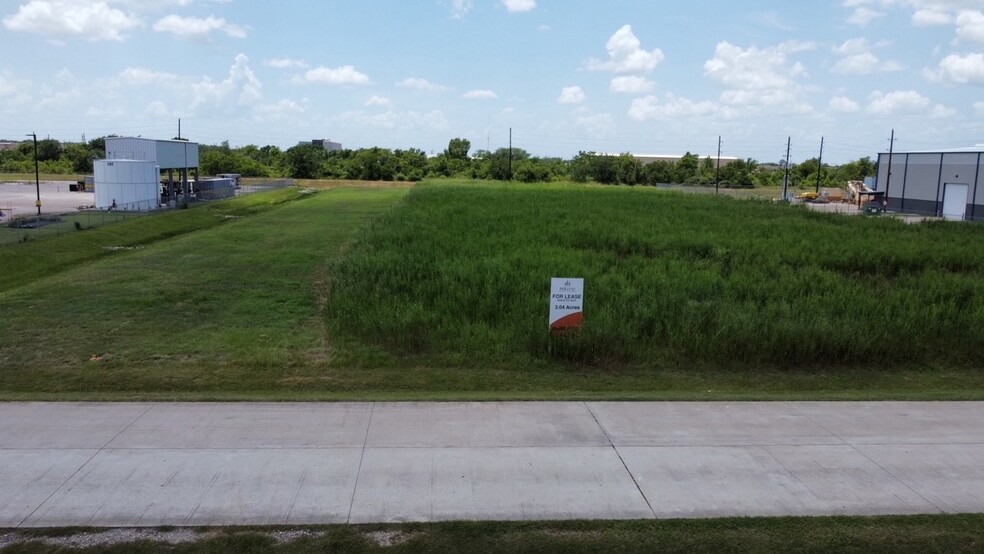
[{"x": 918, "y": 181}]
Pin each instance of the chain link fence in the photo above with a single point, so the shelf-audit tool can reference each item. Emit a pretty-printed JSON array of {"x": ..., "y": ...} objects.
[{"x": 29, "y": 227}]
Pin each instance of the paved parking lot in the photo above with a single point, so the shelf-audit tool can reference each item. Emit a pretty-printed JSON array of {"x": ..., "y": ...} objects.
[
  {"x": 19, "y": 199},
  {"x": 149, "y": 464}
]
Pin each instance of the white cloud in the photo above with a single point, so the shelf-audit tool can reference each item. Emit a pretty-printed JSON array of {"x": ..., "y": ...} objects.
[
  {"x": 572, "y": 95},
  {"x": 751, "y": 68},
  {"x": 460, "y": 8},
  {"x": 863, "y": 16},
  {"x": 626, "y": 55},
  {"x": 970, "y": 26},
  {"x": 519, "y": 6},
  {"x": 843, "y": 104},
  {"x": 931, "y": 18},
  {"x": 650, "y": 107},
  {"x": 858, "y": 59},
  {"x": 979, "y": 108},
  {"x": 480, "y": 95},
  {"x": 759, "y": 77},
  {"x": 199, "y": 28},
  {"x": 379, "y": 101},
  {"x": 241, "y": 83},
  {"x": 143, "y": 76},
  {"x": 959, "y": 69},
  {"x": 417, "y": 83},
  {"x": 900, "y": 101},
  {"x": 285, "y": 63},
  {"x": 344, "y": 75},
  {"x": 62, "y": 19},
  {"x": 632, "y": 84}
]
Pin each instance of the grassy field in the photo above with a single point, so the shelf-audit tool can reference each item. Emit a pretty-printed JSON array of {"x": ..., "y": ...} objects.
[
  {"x": 951, "y": 534},
  {"x": 216, "y": 306},
  {"x": 441, "y": 293},
  {"x": 461, "y": 276}
]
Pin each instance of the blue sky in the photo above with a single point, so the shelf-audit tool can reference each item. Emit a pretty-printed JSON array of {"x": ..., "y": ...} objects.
[{"x": 566, "y": 75}]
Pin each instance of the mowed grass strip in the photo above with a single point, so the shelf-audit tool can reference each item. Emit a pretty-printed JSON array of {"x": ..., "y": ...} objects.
[
  {"x": 867, "y": 535},
  {"x": 459, "y": 277},
  {"x": 36, "y": 259},
  {"x": 231, "y": 308}
]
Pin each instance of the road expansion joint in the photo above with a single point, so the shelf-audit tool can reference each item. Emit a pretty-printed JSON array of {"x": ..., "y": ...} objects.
[{"x": 620, "y": 459}]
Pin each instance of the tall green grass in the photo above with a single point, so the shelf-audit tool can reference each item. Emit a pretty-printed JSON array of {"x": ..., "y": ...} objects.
[{"x": 460, "y": 276}]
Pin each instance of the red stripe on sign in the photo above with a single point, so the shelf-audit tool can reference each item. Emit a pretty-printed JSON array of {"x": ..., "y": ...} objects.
[{"x": 573, "y": 321}]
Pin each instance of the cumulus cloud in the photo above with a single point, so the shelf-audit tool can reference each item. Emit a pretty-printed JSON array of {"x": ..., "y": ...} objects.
[
  {"x": 958, "y": 69},
  {"x": 842, "y": 104},
  {"x": 900, "y": 101},
  {"x": 651, "y": 107},
  {"x": 199, "y": 28},
  {"x": 931, "y": 18},
  {"x": 241, "y": 83},
  {"x": 519, "y": 6},
  {"x": 970, "y": 26},
  {"x": 62, "y": 19},
  {"x": 379, "y": 101},
  {"x": 857, "y": 58},
  {"x": 752, "y": 68},
  {"x": 632, "y": 84},
  {"x": 417, "y": 83},
  {"x": 863, "y": 16},
  {"x": 285, "y": 63},
  {"x": 480, "y": 95},
  {"x": 626, "y": 54},
  {"x": 344, "y": 75},
  {"x": 572, "y": 95},
  {"x": 143, "y": 76}
]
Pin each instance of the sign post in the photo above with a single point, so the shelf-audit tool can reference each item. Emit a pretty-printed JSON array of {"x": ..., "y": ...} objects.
[{"x": 566, "y": 303}]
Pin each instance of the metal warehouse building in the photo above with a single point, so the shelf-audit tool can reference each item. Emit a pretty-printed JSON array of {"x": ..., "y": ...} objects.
[
  {"x": 940, "y": 183},
  {"x": 178, "y": 159}
]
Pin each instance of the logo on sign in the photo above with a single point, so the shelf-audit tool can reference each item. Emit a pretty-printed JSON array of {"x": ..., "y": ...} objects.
[{"x": 566, "y": 303}]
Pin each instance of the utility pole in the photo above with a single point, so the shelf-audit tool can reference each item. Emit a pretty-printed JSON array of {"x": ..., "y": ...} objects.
[
  {"x": 510, "y": 153},
  {"x": 891, "y": 150},
  {"x": 37, "y": 173},
  {"x": 785, "y": 179},
  {"x": 179, "y": 129},
  {"x": 819, "y": 165},
  {"x": 717, "y": 170}
]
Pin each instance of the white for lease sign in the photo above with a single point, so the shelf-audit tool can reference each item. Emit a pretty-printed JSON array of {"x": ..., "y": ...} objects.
[{"x": 566, "y": 303}]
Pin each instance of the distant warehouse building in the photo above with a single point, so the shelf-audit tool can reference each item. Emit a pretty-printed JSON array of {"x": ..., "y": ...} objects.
[{"x": 944, "y": 183}]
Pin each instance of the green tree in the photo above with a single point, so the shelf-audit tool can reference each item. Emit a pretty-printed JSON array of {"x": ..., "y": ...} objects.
[
  {"x": 304, "y": 161},
  {"x": 80, "y": 156},
  {"x": 660, "y": 172},
  {"x": 458, "y": 149},
  {"x": 687, "y": 168}
]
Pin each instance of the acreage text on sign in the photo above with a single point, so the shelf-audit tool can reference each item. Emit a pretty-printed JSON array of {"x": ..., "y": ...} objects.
[{"x": 566, "y": 303}]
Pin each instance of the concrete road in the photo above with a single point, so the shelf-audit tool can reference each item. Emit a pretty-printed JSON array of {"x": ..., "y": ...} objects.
[{"x": 233, "y": 464}]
